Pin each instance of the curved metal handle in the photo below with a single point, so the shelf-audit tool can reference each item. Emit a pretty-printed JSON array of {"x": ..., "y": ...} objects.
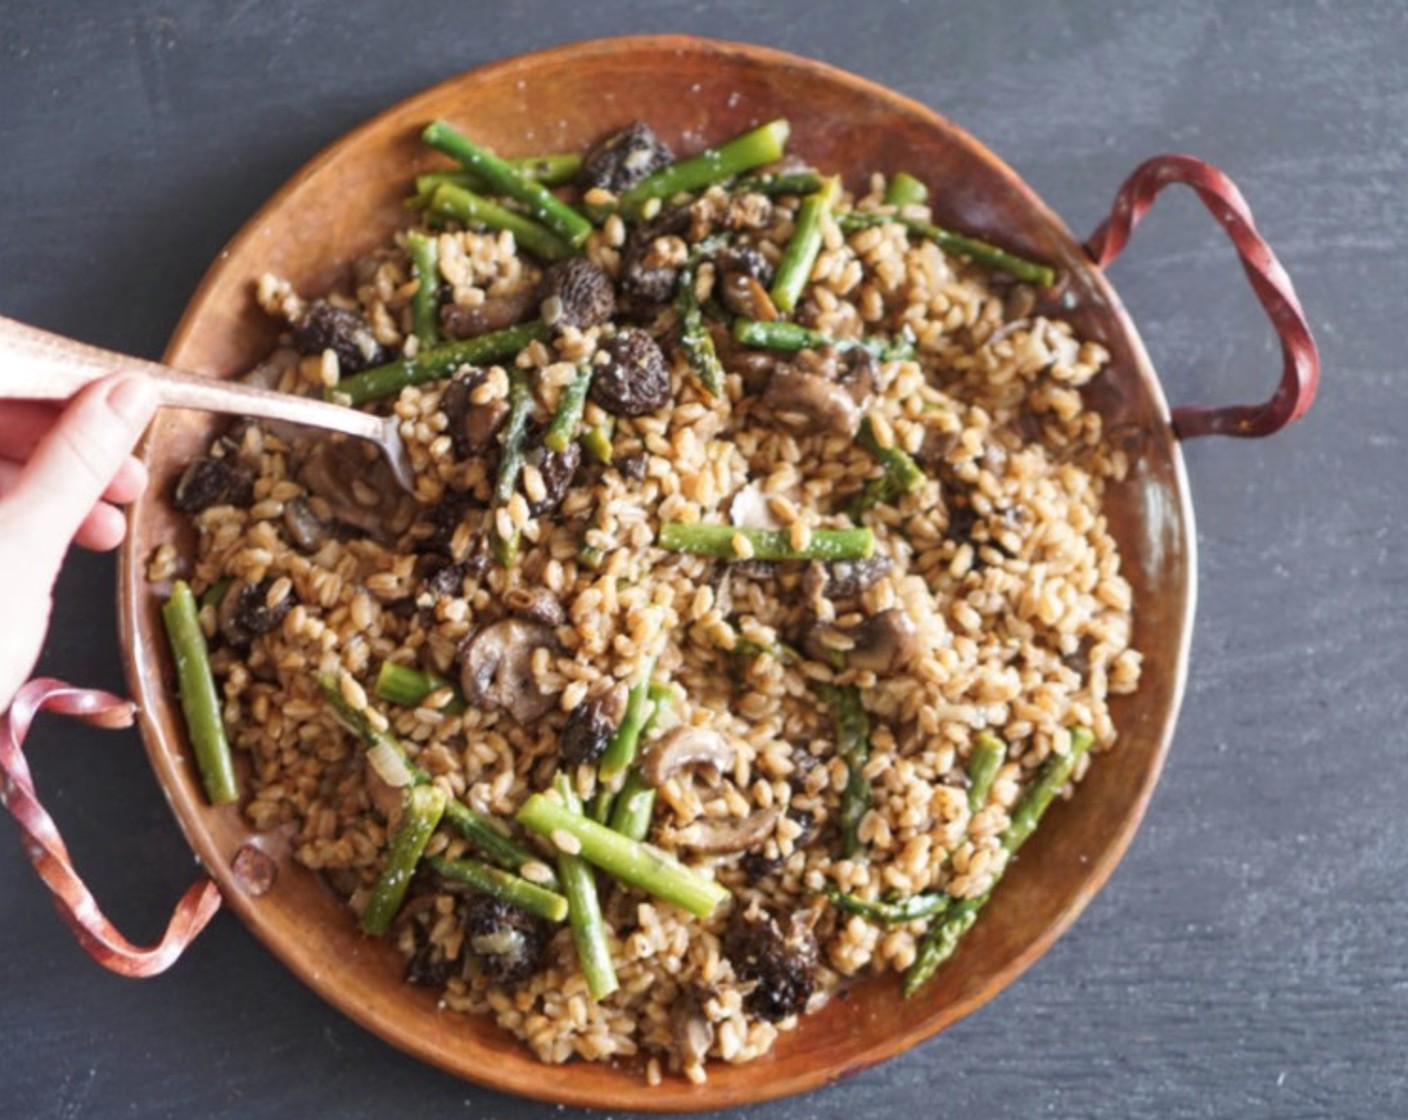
[
  {"x": 1300, "y": 373},
  {"x": 50, "y": 857}
]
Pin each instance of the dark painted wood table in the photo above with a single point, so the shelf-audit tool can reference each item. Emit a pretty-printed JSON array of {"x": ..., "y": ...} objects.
[{"x": 1247, "y": 959}]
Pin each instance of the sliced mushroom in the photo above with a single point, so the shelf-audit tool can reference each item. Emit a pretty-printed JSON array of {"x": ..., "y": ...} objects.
[
  {"x": 362, "y": 494},
  {"x": 745, "y": 295},
  {"x": 213, "y": 482},
  {"x": 496, "y": 668},
  {"x": 885, "y": 643},
  {"x": 715, "y": 837},
  {"x": 684, "y": 747},
  {"x": 537, "y": 604},
  {"x": 496, "y": 313},
  {"x": 305, "y": 528},
  {"x": 810, "y": 403},
  {"x": 693, "y": 1032}
]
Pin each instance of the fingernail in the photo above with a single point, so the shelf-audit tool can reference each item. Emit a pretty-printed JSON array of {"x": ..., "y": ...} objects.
[{"x": 133, "y": 399}]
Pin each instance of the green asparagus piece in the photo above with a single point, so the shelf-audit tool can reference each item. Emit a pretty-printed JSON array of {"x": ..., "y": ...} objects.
[
  {"x": 542, "y": 205},
  {"x": 213, "y": 595},
  {"x": 450, "y": 201},
  {"x": 425, "y": 304},
  {"x": 902, "y": 475},
  {"x": 795, "y": 267},
  {"x": 904, "y": 189},
  {"x": 438, "y": 362},
  {"x": 695, "y": 339},
  {"x": 768, "y": 544},
  {"x": 782, "y": 335},
  {"x": 590, "y": 557},
  {"x": 596, "y": 442},
  {"x": 941, "y": 940},
  {"x": 781, "y": 182},
  {"x": 633, "y": 808},
  {"x": 1050, "y": 780},
  {"x": 400, "y": 684},
  {"x": 200, "y": 702},
  {"x": 424, "y": 806},
  {"x": 986, "y": 759},
  {"x": 569, "y": 410},
  {"x": 528, "y": 897},
  {"x": 479, "y": 830},
  {"x": 784, "y": 653},
  {"x": 636, "y": 863},
  {"x": 713, "y": 165},
  {"x": 853, "y": 746},
  {"x": 621, "y": 751},
  {"x": 551, "y": 170},
  {"x": 960, "y": 245},
  {"x": 926, "y": 905},
  {"x": 588, "y": 927},
  {"x": 520, "y": 405}
]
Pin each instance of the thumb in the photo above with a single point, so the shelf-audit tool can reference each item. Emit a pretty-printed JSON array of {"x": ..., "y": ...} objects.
[{"x": 76, "y": 461}]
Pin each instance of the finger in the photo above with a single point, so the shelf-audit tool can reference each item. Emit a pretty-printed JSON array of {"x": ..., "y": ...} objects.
[
  {"x": 76, "y": 461},
  {"x": 129, "y": 482},
  {"x": 102, "y": 530},
  {"x": 22, "y": 425}
]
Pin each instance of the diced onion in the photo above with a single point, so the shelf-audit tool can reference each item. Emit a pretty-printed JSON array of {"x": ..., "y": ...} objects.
[{"x": 390, "y": 767}]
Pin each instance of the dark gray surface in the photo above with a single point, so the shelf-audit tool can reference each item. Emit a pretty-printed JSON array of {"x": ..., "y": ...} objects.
[{"x": 1246, "y": 959}]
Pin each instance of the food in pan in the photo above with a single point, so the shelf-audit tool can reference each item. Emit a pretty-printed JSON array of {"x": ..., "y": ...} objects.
[{"x": 753, "y": 603}]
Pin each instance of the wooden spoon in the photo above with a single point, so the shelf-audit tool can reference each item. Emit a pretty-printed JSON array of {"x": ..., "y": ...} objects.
[{"x": 37, "y": 365}]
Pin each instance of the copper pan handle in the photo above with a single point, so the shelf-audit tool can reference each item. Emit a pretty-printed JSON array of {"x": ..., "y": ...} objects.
[
  {"x": 1300, "y": 370},
  {"x": 46, "y": 850}
]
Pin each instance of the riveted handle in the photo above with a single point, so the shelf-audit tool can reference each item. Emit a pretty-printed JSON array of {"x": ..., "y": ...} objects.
[
  {"x": 1300, "y": 370},
  {"x": 46, "y": 849}
]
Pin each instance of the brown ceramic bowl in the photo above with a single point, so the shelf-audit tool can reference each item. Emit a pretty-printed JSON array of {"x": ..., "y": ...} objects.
[{"x": 348, "y": 200}]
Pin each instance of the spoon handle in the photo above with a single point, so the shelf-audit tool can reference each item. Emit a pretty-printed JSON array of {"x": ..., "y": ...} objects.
[{"x": 37, "y": 365}]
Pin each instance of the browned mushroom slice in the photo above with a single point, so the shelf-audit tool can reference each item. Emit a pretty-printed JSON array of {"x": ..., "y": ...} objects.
[
  {"x": 458, "y": 321},
  {"x": 496, "y": 668},
  {"x": 885, "y": 643},
  {"x": 716, "y": 837},
  {"x": 537, "y": 604},
  {"x": 745, "y": 295},
  {"x": 685, "y": 747},
  {"x": 693, "y": 1032},
  {"x": 245, "y": 611},
  {"x": 811, "y": 404},
  {"x": 360, "y": 493},
  {"x": 305, "y": 528}
]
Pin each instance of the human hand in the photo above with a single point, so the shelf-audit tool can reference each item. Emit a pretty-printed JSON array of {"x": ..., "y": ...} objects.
[{"x": 62, "y": 475}]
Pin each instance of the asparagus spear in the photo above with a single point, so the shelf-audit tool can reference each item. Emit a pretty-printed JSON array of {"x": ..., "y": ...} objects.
[
  {"x": 596, "y": 442},
  {"x": 926, "y": 905},
  {"x": 520, "y": 405},
  {"x": 479, "y": 830},
  {"x": 400, "y": 684},
  {"x": 478, "y": 876},
  {"x": 902, "y": 474},
  {"x": 986, "y": 759},
  {"x": 542, "y": 205},
  {"x": 450, "y": 201},
  {"x": 425, "y": 304},
  {"x": 437, "y": 362},
  {"x": 795, "y": 267},
  {"x": 424, "y": 807},
  {"x": 941, "y": 940},
  {"x": 636, "y": 863},
  {"x": 551, "y": 170},
  {"x": 904, "y": 189},
  {"x": 569, "y": 410},
  {"x": 766, "y": 544},
  {"x": 214, "y": 594},
  {"x": 782, "y": 182},
  {"x": 633, "y": 808},
  {"x": 713, "y": 165},
  {"x": 200, "y": 702},
  {"x": 960, "y": 245},
  {"x": 782, "y": 335},
  {"x": 588, "y": 927},
  {"x": 695, "y": 339},
  {"x": 621, "y": 751},
  {"x": 853, "y": 745}
]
